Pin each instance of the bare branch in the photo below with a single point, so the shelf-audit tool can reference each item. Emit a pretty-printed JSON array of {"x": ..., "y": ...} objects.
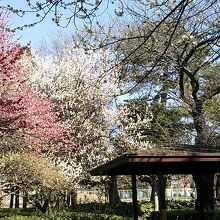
[
  {"x": 165, "y": 50},
  {"x": 200, "y": 44},
  {"x": 194, "y": 83}
]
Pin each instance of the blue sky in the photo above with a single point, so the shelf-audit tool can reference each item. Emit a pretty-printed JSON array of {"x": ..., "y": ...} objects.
[
  {"x": 41, "y": 31},
  {"x": 36, "y": 34}
]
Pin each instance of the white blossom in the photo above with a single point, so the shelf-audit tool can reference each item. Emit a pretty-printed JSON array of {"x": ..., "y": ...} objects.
[{"x": 83, "y": 86}]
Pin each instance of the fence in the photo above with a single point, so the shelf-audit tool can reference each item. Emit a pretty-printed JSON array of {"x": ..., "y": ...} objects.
[
  {"x": 85, "y": 196},
  {"x": 142, "y": 194}
]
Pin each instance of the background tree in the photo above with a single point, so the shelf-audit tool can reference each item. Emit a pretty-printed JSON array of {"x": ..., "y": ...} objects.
[
  {"x": 24, "y": 115},
  {"x": 149, "y": 128},
  {"x": 183, "y": 68},
  {"x": 173, "y": 57},
  {"x": 134, "y": 118},
  {"x": 179, "y": 47},
  {"x": 83, "y": 91},
  {"x": 28, "y": 122},
  {"x": 35, "y": 177}
]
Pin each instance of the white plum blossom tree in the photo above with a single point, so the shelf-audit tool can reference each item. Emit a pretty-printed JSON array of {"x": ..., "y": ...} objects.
[
  {"x": 133, "y": 123},
  {"x": 83, "y": 86}
]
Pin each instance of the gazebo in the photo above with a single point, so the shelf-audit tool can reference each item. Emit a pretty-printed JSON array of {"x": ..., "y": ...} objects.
[{"x": 159, "y": 164}]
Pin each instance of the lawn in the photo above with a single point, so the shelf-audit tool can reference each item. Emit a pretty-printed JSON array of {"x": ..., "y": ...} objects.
[{"x": 97, "y": 211}]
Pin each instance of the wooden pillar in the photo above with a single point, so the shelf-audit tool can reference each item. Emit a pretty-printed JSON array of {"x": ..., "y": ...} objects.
[
  {"x": 161, "y": 194},
  {"x": 134, "y": 197}
]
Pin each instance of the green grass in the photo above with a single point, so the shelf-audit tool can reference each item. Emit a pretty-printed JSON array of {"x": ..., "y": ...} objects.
[
  {"x": 186, "y": 214},
  {"x": 92, "y": 212},
  {"x": 16, "y": 214}
]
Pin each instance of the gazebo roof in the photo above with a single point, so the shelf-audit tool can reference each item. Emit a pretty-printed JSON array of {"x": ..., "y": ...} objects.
[{"x": 179, "y": 163}]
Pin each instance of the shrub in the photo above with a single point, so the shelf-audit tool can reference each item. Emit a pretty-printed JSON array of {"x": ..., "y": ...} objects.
[
  {"x": 145, "y": 209},
  {"x": 35, "y": 173},
  {"x": 92, "y": 216},
  {"x": 16, "y": 214},
  {"x": 180, "y": 204},
  {"x": 20, "y": 217},
  {"x": 87, "y": 216},
  {"x": 185, "y": 215},
  {"x": 124, "y": 209}
]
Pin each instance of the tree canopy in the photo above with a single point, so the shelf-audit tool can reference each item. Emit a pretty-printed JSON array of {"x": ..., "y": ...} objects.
[
  {"x": 23, "y": 112},
  {"x": 167, "y": 52}
]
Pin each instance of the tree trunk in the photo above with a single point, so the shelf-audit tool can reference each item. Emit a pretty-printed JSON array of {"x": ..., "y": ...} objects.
[
  {"x": 114, "y": 198},
  {"x": 205, "y": 193},
  {"x": 154, "y": 192},
  {"x": 200, "y": 124},
  {"x": 68, "y": 198},
  {"x": 153, "y": 189},
  {"x": 25, "y": 199},
  {"x": 73, "y": 198},
  {"x": 17, "y": 198},
  {"x": 162, "y": 196},
  {"x": 153, "y": 181},
  {"x": 164, "y": 90},
  {"x": 217, "y": 187},
  {"x": 204, "y": 182},
  {"x": 43, "y": 208},
  {"x": 12, "y": 199}
]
